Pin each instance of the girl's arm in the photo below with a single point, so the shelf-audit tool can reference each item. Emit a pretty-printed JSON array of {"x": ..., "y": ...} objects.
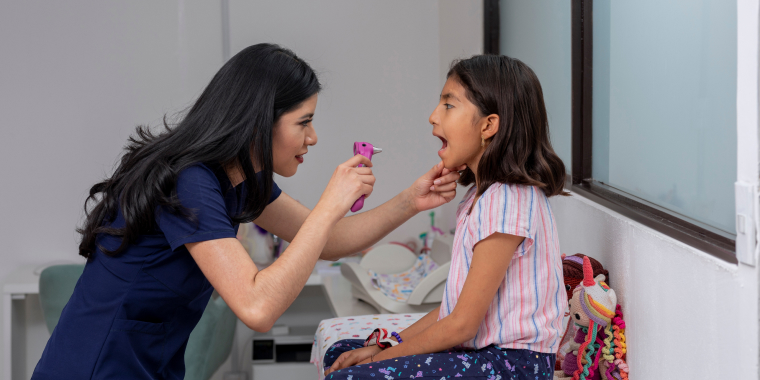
[
  {"x": 490, "y": 260},
  {"x": 285, "y": 216},
  {"x": 353, "y": 357},
  {"x": 420, "y": 325}
]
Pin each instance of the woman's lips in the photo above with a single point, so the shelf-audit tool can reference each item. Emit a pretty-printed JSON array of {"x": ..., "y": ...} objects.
[{"x": 300, "y": 159}]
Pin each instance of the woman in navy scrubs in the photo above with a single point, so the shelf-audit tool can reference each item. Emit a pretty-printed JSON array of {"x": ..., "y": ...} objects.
[{"x": 159, "y": 235}]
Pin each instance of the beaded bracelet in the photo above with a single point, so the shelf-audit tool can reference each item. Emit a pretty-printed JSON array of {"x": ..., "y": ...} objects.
[{"x": 397, "y": 336}]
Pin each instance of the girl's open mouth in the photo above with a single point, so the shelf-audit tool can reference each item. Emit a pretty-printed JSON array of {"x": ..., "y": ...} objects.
[
  {"x": 300, "y": 158},
  {"x": 445, "y": 144}
]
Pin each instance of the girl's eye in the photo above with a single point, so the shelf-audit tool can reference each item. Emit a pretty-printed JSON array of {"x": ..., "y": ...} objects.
[
  {"x": 305, "y": 123},
  {"x": 448, "y": 106}
]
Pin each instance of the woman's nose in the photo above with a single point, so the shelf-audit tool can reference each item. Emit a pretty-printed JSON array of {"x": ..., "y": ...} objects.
[{"x": 311, "y": 137}]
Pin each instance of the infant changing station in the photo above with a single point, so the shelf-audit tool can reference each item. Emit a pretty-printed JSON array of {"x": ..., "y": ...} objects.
[{"x": 392, "y": 259}]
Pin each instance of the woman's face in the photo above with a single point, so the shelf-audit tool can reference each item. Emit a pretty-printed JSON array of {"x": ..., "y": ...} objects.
[
  {"x": 456, "y": 122},
  {"x": 293, "y": 134}
]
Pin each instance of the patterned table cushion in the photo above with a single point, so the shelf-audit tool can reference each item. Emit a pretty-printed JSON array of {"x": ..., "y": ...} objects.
[{"x": 358, "y": 327}]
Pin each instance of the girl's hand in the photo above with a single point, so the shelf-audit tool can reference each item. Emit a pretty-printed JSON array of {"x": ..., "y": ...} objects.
[
  {"x": 347, "y": 184},
  {"x": 354, "y": 357},
  {"x": 434, "y": 188}
]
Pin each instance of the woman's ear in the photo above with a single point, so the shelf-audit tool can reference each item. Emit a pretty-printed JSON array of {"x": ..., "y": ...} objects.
[{"x": 490, "y": 126}]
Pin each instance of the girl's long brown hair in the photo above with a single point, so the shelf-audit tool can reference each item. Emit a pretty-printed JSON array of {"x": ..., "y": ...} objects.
[{"x": 520, "y": 152}]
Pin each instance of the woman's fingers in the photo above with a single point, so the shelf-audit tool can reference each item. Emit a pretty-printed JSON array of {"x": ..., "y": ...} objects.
[
  {"x": 449, "y": 195},
  {"x": 447, "y": 178},
  {"x": 358, "y": 159},
  {"x": 363, "y": 170},
  {"x": 348, "y": 183},
  {"x": 446, "y": 187},
  {"x": 367, "y": 190},
  {"x": 434, "y": 172}
]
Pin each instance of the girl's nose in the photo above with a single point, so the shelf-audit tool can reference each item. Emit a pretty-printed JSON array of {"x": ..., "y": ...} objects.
[{"x": 433, "y": 119}]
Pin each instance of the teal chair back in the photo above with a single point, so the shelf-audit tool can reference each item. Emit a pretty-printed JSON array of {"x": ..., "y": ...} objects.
[
  {"x": 56, "y": 287},
  {"x": 210, "y": 342}
]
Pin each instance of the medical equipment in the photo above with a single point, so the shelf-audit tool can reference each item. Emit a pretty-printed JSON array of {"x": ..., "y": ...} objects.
[
  {"x": 367, "y": 150},
  {"x": 292, "y": 347},
  {"x": 392, "y": 258}
]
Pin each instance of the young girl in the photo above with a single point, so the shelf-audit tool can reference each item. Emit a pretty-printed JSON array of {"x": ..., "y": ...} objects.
[{"x": 504, "y": 299}]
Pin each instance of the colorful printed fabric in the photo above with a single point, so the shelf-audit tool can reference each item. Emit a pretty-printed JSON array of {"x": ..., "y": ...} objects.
[
  {"x": 359, "y": 327},
  {"x": 398, "y": 286},
  {"x": 381, "y": 338},
  {"x": 489, "y": 363},
  {"x": 527, "y": 311}
]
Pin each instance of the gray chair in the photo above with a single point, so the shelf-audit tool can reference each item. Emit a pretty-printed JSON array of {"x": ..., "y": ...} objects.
[
  {"x": 211, "y": 341},
  {"x": 57, "y": 284}
]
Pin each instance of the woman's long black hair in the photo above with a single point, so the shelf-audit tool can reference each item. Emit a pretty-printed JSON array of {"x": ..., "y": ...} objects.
[{"x": 230, "y": 124}]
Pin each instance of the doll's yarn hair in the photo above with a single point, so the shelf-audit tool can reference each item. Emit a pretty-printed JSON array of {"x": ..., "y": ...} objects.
[
  {"x": 599, "y": 303},
  {"x": 615, "y": 347},
  {"x": 572, "y": 269}
]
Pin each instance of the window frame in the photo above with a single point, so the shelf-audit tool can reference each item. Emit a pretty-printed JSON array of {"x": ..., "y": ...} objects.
[{"x": 580, "y": 180}]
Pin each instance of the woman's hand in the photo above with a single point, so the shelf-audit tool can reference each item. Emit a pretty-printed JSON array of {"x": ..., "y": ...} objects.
[
  {"x": 353, "y": 357},
  {"x": 348, "y": 183},
  {"x": 434, "y": 188}
]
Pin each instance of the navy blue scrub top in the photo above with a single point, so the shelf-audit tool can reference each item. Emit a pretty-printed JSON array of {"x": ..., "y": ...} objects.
[{"x": 130, "y": 316}]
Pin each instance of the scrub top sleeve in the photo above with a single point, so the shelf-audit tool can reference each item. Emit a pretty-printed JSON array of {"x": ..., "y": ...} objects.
[
  {"x": 276, "y": 191},
  {"x": 200, "y": 193}
]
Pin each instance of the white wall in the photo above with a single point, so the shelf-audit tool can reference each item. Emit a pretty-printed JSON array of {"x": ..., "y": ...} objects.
[
  {"x": 77, "y": 77},
  {"x": 382, "y": 65},
  {"x": 688, "y": 315},
  {"x": 685, "y": 311}
]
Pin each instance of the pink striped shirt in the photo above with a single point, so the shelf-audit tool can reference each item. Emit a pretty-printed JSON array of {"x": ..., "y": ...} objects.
[{"x": 527, "y": 310}]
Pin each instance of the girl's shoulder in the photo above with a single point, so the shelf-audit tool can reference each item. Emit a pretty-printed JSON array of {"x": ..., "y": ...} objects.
[
  {"x": 502, "y": 198},
  {"x": 509, "y": 199},
  {"x": 499, "y": 191}
]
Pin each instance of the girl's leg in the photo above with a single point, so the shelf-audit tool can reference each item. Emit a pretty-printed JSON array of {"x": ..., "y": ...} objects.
[
  {"x": 489, "y": 363},
  {"x": 476, "y": 364},
  {"x": 526, "y": 364},
  {"x": 340, "y": 347}
]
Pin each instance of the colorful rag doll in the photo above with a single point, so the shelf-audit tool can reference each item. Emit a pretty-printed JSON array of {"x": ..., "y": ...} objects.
[
  {"x": 572, "y": 269},
  {"x": 598, "y": 350}
]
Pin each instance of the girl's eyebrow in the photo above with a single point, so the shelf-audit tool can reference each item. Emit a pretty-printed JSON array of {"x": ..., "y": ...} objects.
[
  {"x": 307, "y": 116},
  {"x": 449, "y": 95}
]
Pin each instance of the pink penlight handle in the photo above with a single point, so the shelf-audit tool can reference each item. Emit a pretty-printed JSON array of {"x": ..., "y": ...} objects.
[{"x": 367, "y": 150}]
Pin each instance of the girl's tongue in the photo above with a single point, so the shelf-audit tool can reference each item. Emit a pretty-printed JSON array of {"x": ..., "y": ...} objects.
[{"x": 445, "y": 144}]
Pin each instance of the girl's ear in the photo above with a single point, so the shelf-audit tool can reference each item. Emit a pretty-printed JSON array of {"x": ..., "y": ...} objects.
[{"x": 490, "y": 126}]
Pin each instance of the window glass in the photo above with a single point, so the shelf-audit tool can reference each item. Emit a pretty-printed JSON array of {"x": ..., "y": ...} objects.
[
  {"x": 664, "y": 104},
  {"x": 538, "y": 33}
]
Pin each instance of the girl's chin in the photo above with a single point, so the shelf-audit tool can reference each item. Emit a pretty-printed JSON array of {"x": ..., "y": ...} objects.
[{"x": 448, "y": 163}]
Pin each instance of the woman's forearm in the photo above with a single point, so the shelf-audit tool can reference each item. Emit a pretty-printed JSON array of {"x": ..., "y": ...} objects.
[
  {"x": 258, "y": 298},
  {"x": 277, "y": 286},
  {"x": 358, "y": 232}
]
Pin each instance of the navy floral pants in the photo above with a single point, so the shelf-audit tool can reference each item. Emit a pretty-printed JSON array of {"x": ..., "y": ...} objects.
[{"x": 489, "y": 363}]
